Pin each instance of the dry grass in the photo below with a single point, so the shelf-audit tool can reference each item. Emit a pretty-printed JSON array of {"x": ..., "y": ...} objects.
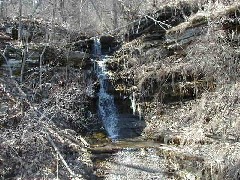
[
  {"x": 37, "y": 141},
  {"x": 206, "y": 127}
]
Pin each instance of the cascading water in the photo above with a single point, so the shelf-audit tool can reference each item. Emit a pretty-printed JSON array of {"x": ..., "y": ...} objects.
[{"x": 106, "y": 105}]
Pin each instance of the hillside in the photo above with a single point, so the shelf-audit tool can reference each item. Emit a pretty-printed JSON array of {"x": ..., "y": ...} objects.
[
  {"x": 120, "y": 90},
  {"x": 183, "y": 80}
]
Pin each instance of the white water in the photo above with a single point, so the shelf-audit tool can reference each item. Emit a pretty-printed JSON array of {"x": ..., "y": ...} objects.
[{"x": 106, "y": 105}]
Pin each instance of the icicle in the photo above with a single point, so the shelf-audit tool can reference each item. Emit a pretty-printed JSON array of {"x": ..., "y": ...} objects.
[
  {"x": 133, "y": 103},
  {"x": 173, "y": 82},
  {"x": 139, "y": 111},
  {"x": 124, "y": 63},
  {"x": 139, "y": 22},
  {"x": 94, "y": 67}
]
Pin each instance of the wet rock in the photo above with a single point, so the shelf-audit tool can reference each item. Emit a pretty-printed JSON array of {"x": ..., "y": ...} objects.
[
  {"x": 79, "y": 59},
  {"x": 83, "y": 44},
  {"x": 129, "y": 126},
  {"x": 108, "y": 44},
  {"x": 155, "y": 25}
]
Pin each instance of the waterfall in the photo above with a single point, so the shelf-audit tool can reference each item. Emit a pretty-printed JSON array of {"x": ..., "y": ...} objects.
[{"x": 106, "y": 106}]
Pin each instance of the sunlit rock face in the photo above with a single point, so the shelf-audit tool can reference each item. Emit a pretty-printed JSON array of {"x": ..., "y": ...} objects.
[{"x": 161, "y": 66}]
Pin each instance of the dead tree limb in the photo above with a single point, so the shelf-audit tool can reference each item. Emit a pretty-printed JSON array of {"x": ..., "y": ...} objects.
[
  {"x": 6, "y": 60},
  {"x": 62, "y": 159}
]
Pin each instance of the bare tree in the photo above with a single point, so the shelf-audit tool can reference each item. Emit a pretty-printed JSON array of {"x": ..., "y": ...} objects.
[{"x": 2, "y": 8}]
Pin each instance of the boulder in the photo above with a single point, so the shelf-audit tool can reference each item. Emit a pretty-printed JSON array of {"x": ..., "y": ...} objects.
[{"x": 79, "y": 59}]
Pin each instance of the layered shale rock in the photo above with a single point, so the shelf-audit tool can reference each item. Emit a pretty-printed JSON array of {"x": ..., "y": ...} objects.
[
  {"x": 177, "y": 64},
  {"x": 179, "y": 70}
]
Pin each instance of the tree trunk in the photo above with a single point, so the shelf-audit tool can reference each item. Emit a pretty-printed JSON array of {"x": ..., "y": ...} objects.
[
  {"x": 115, "y": 15},
  {"x": 53, "y": 20},
  {"x": 2, "y": 9},
  {"x": 40, "y": 66},
  {"x": 20, "y": 22}
]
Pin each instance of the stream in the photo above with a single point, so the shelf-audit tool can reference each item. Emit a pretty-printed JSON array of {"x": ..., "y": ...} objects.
[
  {"x": 106, "y": 106},
  {"x": 127, "y": 156}
]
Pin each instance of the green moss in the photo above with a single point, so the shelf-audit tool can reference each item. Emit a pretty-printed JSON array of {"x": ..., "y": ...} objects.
[
  {"x": 17, "y": 72},
  {"x": 99, "y": 136},
  {"x": 98, "y": 139}
]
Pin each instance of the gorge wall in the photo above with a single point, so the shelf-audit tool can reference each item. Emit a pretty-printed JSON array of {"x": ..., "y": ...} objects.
[{"x": 178, "y": 69}]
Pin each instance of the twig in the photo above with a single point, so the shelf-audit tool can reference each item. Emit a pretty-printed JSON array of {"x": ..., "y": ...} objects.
[
  {"x": 40, "y": 65},
  {"x": 6, "y": 60},
  {"x": 42, "y": 114},
  {"x": 57, "y": 167},
  {"x": 61, "y": 158},
  {"x": 159, "y": 22}
]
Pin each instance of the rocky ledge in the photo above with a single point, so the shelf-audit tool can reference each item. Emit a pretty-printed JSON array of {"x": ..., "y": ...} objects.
[{"x": 179, "y": 68}]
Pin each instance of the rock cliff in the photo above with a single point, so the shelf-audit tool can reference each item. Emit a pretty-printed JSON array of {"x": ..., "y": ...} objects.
[{"x": 181, "y": 67}]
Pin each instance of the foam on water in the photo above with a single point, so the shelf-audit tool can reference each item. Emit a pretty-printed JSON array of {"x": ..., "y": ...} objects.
[{"x": 106, "y": 105}]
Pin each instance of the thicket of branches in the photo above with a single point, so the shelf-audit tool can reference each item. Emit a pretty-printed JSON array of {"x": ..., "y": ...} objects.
[
  {"x": 84, "y": 16},
  {"x": 44, "y": 109},
  {"x": 40, "y": 127}
]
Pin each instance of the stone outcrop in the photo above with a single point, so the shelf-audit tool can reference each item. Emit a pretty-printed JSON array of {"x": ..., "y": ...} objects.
[
  {"x": 109, "y": 44},
  {"x": 183, "y": 80},
  {"x": 158, "y": 64}
]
